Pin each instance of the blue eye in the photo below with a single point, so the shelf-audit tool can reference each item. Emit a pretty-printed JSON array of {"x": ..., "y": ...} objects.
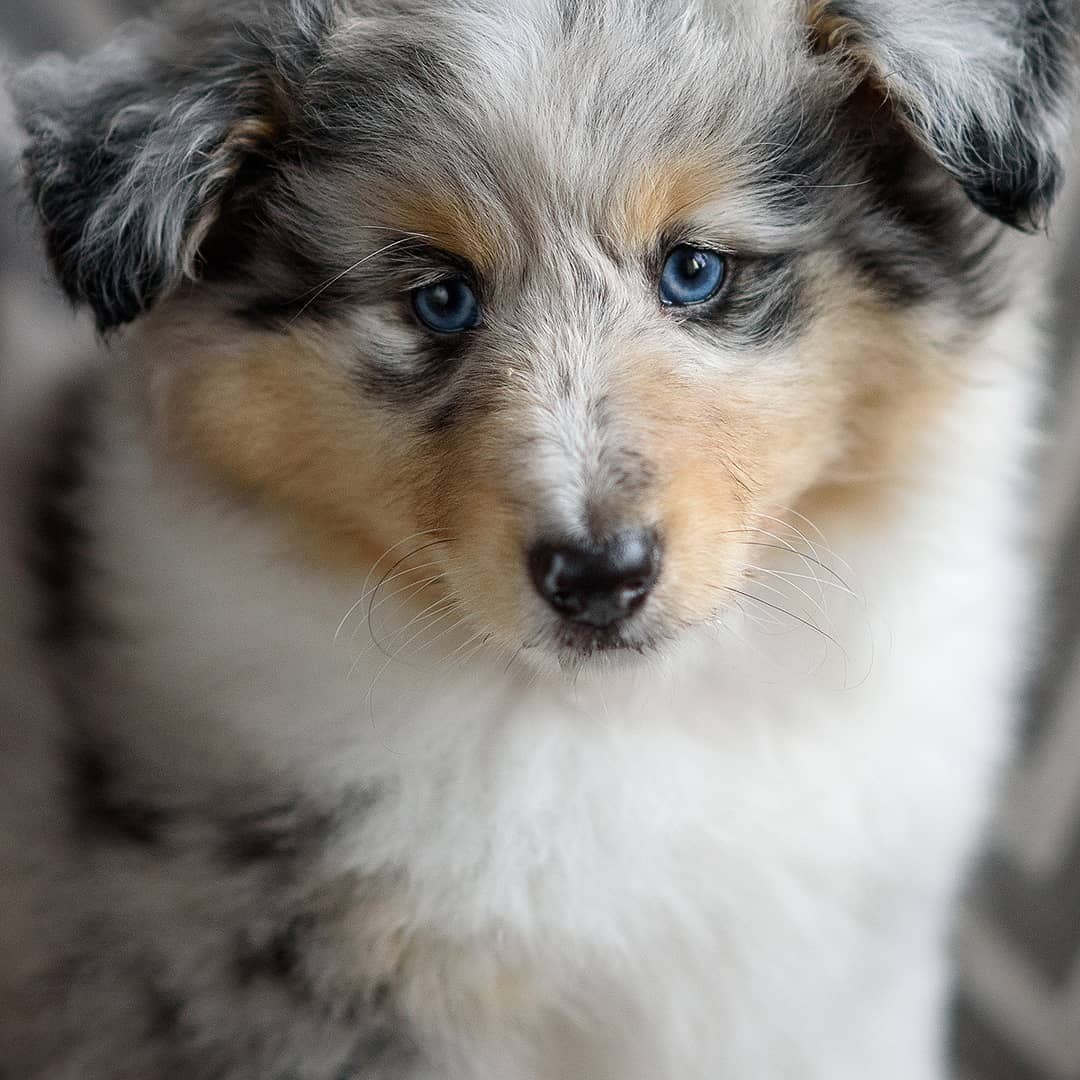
[
  {"x": 447, "y": 307},
  {"x": 691, "y": 276}
]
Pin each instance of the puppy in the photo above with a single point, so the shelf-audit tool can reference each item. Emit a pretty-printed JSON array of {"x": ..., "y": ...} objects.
[{"x": 531, "y": 589}]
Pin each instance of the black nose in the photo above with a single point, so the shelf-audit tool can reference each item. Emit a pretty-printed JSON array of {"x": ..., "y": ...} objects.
[{"x": 597, "y": 584}]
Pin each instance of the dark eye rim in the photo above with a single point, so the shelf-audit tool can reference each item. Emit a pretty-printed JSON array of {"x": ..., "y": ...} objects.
[
  {"x": 463, "y": 279},
  {"x": 696, "y": 307}
]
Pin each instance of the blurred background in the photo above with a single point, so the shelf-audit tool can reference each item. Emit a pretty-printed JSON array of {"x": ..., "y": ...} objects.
[{"x": 1017, "y": 1010}]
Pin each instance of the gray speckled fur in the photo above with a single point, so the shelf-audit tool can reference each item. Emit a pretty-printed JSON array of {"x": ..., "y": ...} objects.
[{"x": 134, "y": 150}]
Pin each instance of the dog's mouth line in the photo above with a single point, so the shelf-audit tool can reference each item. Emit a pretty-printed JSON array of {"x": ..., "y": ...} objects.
[{"x": 586, "y": 643}]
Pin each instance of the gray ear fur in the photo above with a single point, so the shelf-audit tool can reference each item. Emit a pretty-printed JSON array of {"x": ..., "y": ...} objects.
[
  {"x": 133, "y": 150},
  {"x": 981, "y": 84}
]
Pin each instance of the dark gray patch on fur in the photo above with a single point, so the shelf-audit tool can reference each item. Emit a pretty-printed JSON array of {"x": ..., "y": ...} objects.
[
  {"x": 166, "y": 1012},
  {"x": 278, "y": 957},
  {"x": 1017, "y": 180},
  {"x": 915, "y": 241},
  {"x": 102, "y": 811},
  {"x": 281, "y": 833},
  {"x": 398, "y": 72},
  {"x": 291, "y": 830},
  {"x": 59, "y": 543},
  {"x": 868, "y": 191},
  {"x": 415, "y": 380},
  {"x": 272, "y": 994},
  {"x": 1001, "y": 147},
  {"x": 764, "y": 307},
  {"x": 384, "y": 1054},
  {"x": 135, "y": 149}
]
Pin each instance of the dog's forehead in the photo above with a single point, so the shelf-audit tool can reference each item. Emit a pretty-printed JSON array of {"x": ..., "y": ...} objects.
[{"x": 483, "y": 121}]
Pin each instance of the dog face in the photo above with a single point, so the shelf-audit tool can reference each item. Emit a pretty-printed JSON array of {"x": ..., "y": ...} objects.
[{"x": 562, "y": 302}]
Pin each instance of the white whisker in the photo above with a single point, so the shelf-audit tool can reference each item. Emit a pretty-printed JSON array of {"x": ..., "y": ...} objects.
[
  {"x": 374, "y": 567},
  {"x": 348, "y": 270}
]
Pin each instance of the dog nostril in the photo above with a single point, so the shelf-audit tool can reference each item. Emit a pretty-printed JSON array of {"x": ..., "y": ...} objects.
[{"x": 597, "y": 584}]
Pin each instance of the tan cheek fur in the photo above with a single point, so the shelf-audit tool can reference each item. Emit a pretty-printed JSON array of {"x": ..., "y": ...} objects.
[
  {"x": 474, "y": 495},
  {"x": 896, "y": 384},
  {"x": 278, "y": 419},
  {"x": 842, "y": 440},
  {"x": 721, "y": 457}
]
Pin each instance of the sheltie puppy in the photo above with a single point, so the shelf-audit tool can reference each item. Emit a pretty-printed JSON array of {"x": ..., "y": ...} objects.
[{"x": 531, "y": 588}]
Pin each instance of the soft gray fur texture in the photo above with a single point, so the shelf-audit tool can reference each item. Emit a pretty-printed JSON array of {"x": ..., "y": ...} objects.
[
  {"x": 243, "y": 155},
  {"x": 267, "y": 113}
]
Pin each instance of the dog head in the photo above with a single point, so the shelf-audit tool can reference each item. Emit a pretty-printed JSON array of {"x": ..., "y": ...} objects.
[{"x": 563, "y": 298}]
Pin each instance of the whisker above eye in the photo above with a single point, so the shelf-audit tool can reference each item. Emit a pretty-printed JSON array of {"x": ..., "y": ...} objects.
[{"x": 313, "y": 296}]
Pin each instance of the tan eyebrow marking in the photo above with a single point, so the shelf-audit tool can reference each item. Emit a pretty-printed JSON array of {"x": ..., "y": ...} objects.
[
  {"x": 660, "y": 196},
  {"x": 452, "y": 225}
]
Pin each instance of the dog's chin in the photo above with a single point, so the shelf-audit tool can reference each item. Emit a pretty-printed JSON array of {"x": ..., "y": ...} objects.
[{"x": 576, "y": 649}]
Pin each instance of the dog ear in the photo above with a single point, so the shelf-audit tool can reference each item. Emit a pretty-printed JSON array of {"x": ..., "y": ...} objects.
[
  {"x": 980, "y": 84},
  {"x": 133, "y": 151}
]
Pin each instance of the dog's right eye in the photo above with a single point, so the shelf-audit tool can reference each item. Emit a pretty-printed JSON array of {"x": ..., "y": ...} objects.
[
  {"x": 447, "y": 307},
  {"x": 691, "y": 276}
]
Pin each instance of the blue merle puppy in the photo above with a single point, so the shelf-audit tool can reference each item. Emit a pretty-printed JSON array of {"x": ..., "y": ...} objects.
[{"x": 529, "y": 588}]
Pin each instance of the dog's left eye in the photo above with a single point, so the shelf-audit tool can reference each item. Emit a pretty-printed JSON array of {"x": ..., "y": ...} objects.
[
  {"x": 691, "y": 276},
  {"x": 447, "y": 307}
]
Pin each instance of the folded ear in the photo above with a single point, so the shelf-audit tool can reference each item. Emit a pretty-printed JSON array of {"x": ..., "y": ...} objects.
[
  {"x": 980, "y": 84},
  {"x": 133, "y": 151}
]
